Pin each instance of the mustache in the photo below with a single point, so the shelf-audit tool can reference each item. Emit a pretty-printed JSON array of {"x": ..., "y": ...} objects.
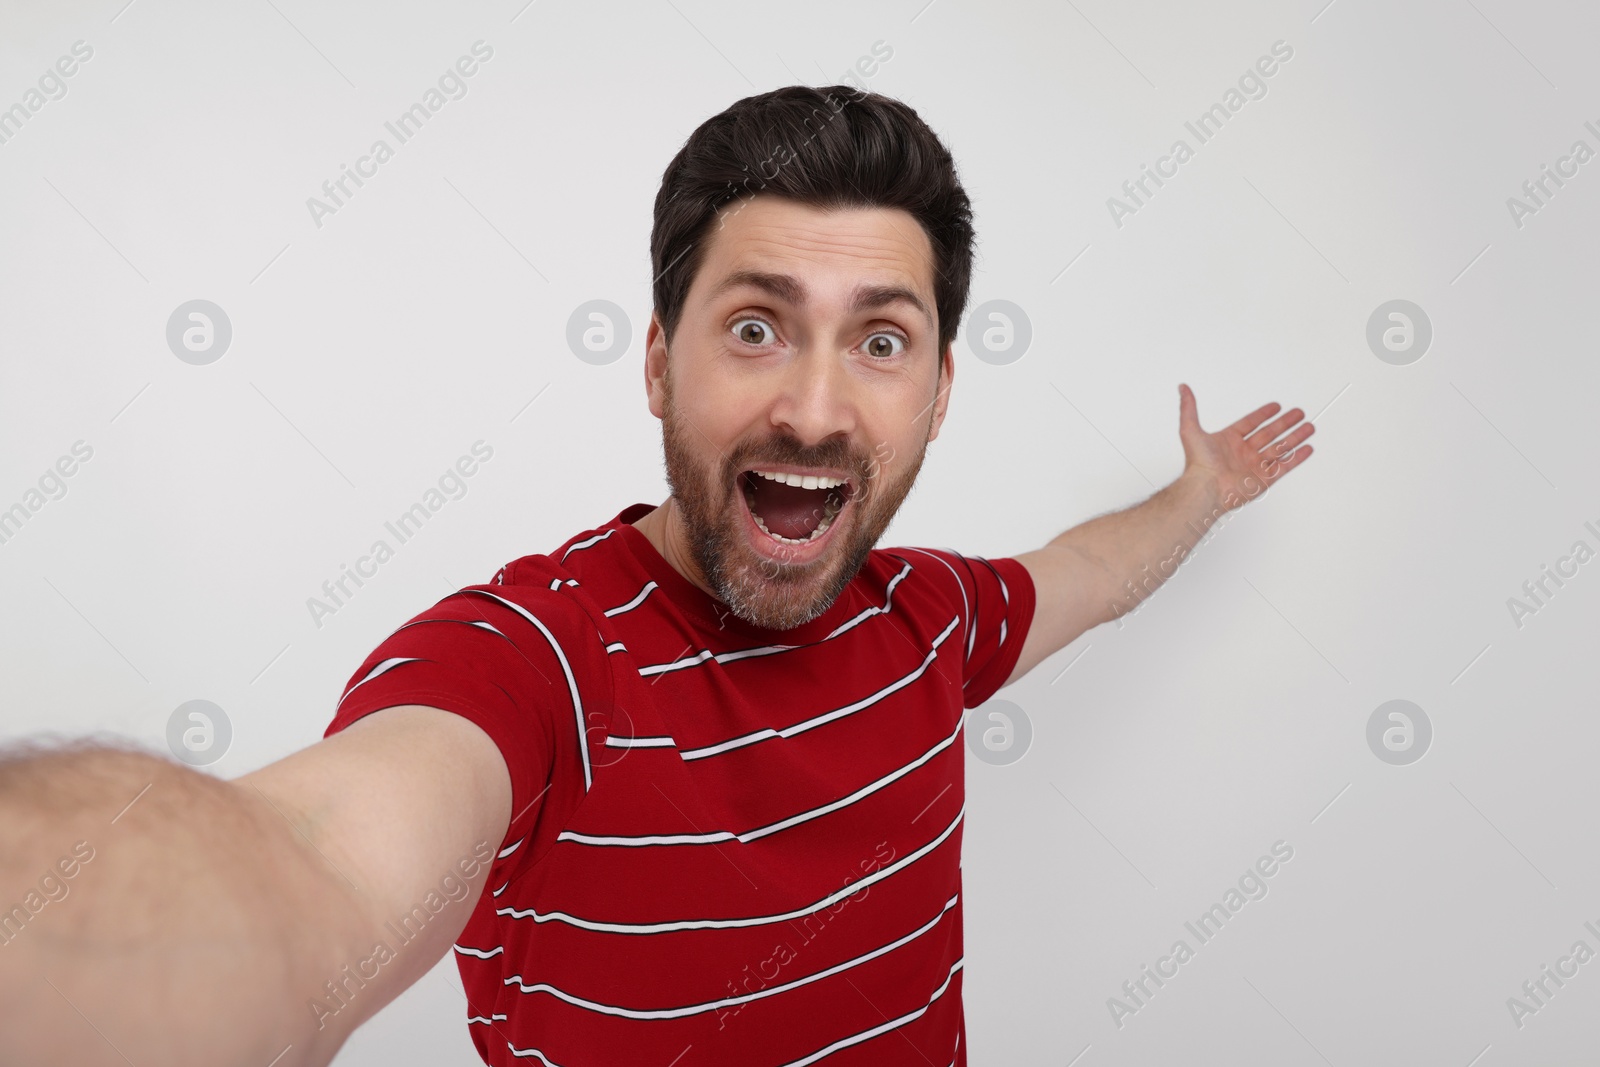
[
  {"x": 750, "y": 461},
  {"x": 797, "y": 455}
]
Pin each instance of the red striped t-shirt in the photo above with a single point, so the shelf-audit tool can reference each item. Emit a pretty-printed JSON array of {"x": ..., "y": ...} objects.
[{"x": 729, "y": 844}]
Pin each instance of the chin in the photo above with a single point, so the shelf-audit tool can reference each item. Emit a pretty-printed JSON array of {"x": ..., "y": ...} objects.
[{"x": 760, "y": 581}]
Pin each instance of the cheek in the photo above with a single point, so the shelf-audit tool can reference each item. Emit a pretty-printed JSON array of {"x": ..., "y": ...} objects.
[
  {"x": 701, "y": 436},
  {"x": 713, "y": 430},
  {"x": 718, "y": 413}
]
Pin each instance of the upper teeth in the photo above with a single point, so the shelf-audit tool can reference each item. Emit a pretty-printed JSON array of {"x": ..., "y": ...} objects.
[{"x": 804, "y": 481}]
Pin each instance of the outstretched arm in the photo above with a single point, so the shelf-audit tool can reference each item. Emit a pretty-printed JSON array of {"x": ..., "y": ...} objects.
[
  {"x": 1104, "y": 568},
  {"x": 239, "y": 921}
]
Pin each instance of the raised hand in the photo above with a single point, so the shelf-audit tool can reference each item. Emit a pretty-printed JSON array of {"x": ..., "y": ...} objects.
[{"x": 1241, "y": 461}]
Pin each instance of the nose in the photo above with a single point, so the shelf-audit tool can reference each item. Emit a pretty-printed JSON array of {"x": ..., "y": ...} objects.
[{"x": 817, "y": 398}]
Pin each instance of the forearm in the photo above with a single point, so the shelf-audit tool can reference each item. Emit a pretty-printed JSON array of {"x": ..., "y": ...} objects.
[
  {"x": 1127, "y": 555},
  {"x": 193, "y": 928}
]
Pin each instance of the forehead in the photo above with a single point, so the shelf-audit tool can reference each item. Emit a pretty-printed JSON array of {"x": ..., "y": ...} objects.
[{"x": 834, "y": 247}]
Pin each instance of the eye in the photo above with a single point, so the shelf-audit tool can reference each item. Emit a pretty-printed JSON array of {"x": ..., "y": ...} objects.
[
  {"x": 753, "y": 331},
  {"x": 875, "y": 345}
]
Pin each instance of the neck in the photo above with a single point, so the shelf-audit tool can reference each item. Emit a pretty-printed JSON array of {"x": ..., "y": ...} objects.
[{"x": 663, "y": 528}]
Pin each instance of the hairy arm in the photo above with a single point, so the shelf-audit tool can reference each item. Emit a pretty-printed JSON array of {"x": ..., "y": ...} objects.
[
  {"x": 204, "y": 920},
  {"x": 1105, "y": 568}
]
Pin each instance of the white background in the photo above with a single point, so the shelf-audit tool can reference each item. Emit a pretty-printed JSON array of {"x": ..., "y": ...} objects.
[{"x": 372, "y": 351}]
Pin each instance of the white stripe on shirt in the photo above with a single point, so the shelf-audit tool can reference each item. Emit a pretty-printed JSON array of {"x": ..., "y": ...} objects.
[
  {"x": 966, "y": 609},
  {"x": 612, "y": 741},
  {"x": 383, "y": 668},
  {"x": 706, "y": 655},
  {"x": 728, "y": 1002},
  {"x": 825, "y": 717},
  {"x": 480, "y": 953},
  {"x": 623, "y": 609},
  {"x": 716, "y": 837},
  {"x": 596, "y": 539},
  {"x": 756, "y": 920},
  {"x": 892, "y": 1024},
  {"x": 566, "y": 669}
]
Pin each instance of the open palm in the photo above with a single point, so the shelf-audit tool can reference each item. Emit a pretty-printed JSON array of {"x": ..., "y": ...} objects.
[{"x": 1242, "y": 460}]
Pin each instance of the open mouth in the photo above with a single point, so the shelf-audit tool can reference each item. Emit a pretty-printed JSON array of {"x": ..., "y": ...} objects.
[{"x": 791, "y": 508}]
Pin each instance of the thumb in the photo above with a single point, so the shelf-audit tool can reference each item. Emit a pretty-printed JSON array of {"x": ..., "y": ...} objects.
[{"x": 1188, "y": 416}]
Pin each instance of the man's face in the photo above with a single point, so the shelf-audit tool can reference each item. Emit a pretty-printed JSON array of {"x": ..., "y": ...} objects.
[{"x": 801, "y": 351}]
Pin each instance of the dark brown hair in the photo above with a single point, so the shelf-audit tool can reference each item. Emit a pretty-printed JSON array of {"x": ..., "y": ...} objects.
[{"x": 830, "y": 147}]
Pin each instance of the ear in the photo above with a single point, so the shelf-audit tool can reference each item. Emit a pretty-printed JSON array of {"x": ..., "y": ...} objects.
[
  {"x": 655, "y": 366},
  {"x": 947, "y": 375}
]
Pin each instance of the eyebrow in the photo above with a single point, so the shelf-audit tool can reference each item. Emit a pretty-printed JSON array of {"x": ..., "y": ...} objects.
[{"x": 787, "y": 287}]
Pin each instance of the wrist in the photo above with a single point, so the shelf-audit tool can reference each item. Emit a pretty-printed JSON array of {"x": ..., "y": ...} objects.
[{"x": 1201, "y": 489}]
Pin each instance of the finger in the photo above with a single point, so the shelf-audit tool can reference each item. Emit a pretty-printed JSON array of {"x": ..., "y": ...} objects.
[
  {"x": 1274, "y": 429},
  {"x": 1284, "y": 466},
  {"x": 1286, "y": 445},
  {"x": 1300, "y": 434},
  {"x": 1256, "y": 417}
]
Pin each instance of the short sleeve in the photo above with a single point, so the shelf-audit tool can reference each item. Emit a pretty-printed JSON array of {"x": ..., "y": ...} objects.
[
  {"x": 521, "y": 668},
  {"x": 995, "y": 598}
]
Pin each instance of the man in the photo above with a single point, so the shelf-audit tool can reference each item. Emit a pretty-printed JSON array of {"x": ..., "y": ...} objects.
[{"x": 686, "y": 790}]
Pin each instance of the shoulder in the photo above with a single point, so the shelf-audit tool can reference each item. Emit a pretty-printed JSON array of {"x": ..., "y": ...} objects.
[
  {"x": 559, "y": 567},
  {"x": 961, "y": 578},
  {"x": 530, "y": 601},
  {"x": 940, "y": 568},
  {"x": 947, "y": 564}
]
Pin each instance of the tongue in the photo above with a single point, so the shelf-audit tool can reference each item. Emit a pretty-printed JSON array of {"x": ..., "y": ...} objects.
[{"x": 788, "y": 510}]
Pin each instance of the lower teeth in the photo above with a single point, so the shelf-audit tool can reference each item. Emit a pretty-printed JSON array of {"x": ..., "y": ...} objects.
[{"x": 822, "y": 528}]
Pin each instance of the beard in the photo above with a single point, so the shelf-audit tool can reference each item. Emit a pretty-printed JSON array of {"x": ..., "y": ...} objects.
[{"x": 768, "y": 593}]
